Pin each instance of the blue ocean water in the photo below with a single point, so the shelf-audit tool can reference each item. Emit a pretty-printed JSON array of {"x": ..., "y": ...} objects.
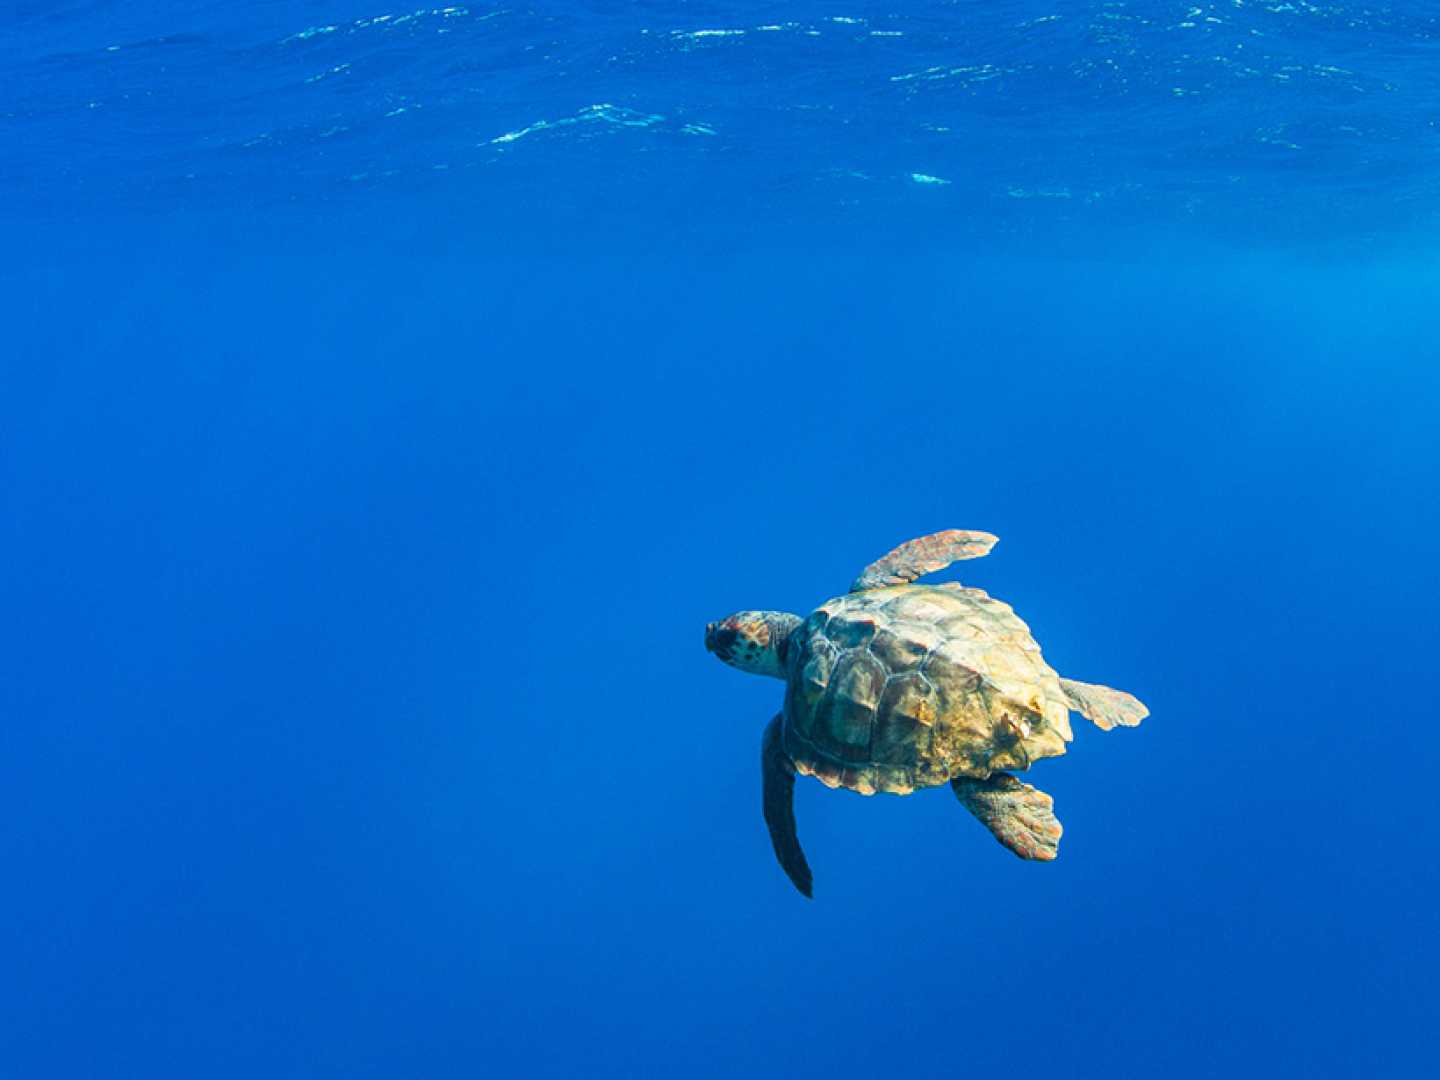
[{"x": 388, "y": 398}]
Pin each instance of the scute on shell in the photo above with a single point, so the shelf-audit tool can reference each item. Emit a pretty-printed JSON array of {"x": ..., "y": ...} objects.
[
  {"x": 904, "y": 645},
  {"x": 901, "y": 741},
  {"x": 814, "y": 677},
  {"x": 851, "y": 631},
  {"x": 845, "y": 715},
  {"x": 911, "y": 696}
]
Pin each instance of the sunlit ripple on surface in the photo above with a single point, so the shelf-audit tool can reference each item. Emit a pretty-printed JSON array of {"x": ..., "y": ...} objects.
[{"x": 1161, "y": 108}]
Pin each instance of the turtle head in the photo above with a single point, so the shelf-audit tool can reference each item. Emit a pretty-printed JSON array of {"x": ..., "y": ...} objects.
[{"x": 753, "y": 641}]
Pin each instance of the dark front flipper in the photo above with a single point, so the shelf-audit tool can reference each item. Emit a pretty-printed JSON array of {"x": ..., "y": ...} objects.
[
  {"x": 916, "y": 558},
  {"x": 1021, "y": 817},
  {"x": 779, "y": 804}
]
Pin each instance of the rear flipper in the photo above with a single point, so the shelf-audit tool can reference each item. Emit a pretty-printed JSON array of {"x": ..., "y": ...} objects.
[
  {"x": 1102, "y": 706},
  {"x": 1021, "y": 817}
]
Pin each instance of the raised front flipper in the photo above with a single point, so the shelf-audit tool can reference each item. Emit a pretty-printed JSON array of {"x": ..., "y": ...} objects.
[
  {"x": 1102, "y": 706},
  {"x": 779, "y": 805},
  {"x": 1021, "y": 817},
  {"x": 915, "y": 558}
]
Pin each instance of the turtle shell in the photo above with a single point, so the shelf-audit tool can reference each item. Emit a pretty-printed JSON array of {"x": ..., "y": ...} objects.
[{"x": 906, "y": 687}]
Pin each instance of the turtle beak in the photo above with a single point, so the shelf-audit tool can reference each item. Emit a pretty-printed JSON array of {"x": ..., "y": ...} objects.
[{"x": 710, "y": 637}]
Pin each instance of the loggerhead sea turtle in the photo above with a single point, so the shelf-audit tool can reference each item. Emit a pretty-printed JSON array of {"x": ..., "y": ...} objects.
[{"x": 895, "y": 686}]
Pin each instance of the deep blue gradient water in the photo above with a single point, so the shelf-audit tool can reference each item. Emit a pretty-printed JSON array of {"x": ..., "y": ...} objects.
[{"x": 389, "y": 398}]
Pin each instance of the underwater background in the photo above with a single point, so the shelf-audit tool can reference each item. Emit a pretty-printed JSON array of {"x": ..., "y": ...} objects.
[{"x": 389, "y": 396}]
